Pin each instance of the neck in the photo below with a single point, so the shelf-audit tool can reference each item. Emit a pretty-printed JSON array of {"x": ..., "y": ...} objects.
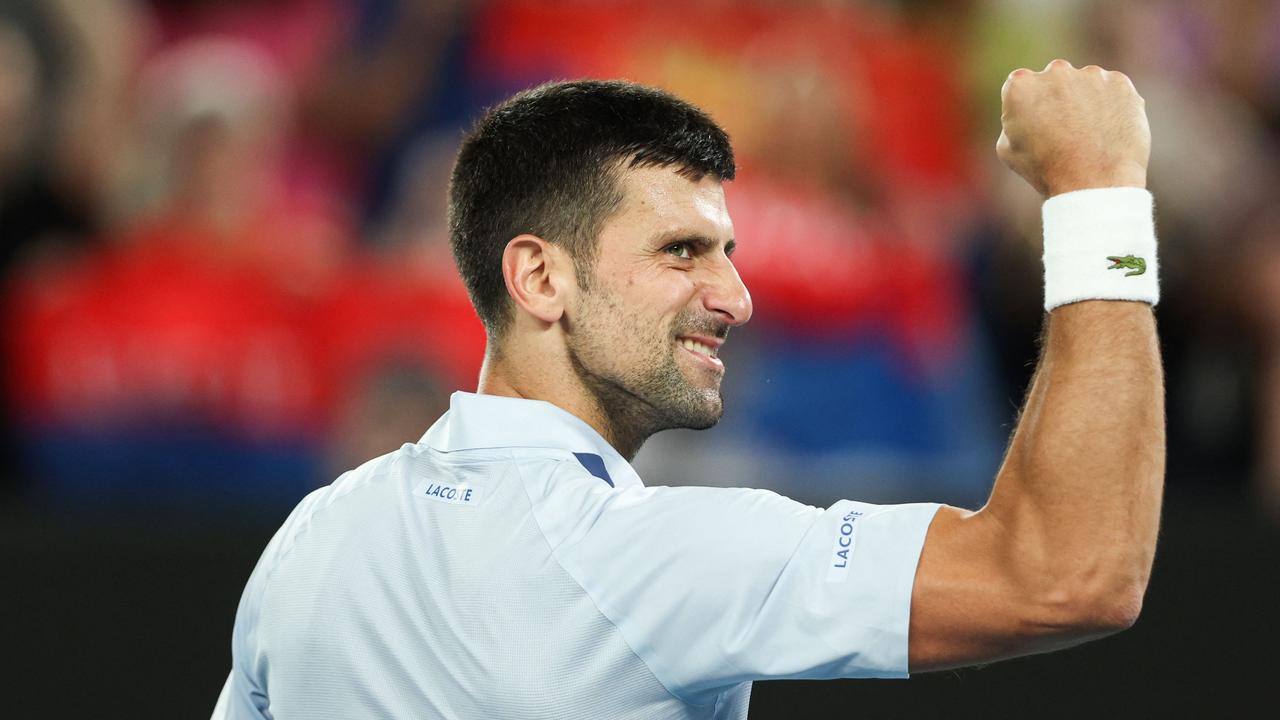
[{"x": 563, "y": 387}]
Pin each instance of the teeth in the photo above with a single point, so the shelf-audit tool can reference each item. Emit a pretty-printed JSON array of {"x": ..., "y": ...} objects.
[{"x": 697, "y": 347}]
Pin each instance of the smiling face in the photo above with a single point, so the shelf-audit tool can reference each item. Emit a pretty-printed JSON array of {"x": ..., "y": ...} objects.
[{"x": 645, "y": 334}]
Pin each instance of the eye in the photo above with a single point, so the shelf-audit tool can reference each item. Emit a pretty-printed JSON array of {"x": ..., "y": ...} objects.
[{"x": 680, "y": 250}]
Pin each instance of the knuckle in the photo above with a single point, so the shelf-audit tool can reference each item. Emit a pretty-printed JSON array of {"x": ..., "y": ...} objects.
[
  {"x": 1015, "y": 77},
  {"x": 1005, "y": 148}
]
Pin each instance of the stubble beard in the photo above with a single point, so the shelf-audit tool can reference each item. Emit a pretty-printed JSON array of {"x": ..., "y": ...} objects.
[{"x": 650, "y": 394}]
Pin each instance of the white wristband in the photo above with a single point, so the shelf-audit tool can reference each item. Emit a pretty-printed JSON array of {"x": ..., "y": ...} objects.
[{"x": 1100, "y": 244}]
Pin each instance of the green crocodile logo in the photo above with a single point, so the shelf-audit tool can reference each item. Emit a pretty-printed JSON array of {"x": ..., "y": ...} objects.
[{"x": 1134, "y": 264}]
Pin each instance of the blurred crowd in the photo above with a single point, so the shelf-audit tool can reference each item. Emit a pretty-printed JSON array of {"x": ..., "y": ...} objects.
[{"x": 225, "y": 274}]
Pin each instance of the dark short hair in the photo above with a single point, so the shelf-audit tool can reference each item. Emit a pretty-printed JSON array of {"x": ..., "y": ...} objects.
[{"x": 545, "y": 162}]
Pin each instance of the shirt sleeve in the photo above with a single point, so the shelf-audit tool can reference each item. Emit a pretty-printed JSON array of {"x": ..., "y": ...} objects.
[
  {"x": 715, "y": 586},
  {"x": 235, "y": 703}
]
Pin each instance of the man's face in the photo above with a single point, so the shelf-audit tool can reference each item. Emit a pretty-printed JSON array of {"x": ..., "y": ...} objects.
[{"x": 645, "y": 335}]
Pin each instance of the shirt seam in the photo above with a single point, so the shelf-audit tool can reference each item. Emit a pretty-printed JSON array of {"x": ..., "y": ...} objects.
[
  {"x": 267, "y": 582},
  {"x": 555, "y": 555},
  {"x": 306, "y": 523}
]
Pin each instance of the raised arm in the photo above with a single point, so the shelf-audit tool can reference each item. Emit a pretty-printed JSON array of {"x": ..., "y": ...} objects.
[{"x": 1062, "y": 551}]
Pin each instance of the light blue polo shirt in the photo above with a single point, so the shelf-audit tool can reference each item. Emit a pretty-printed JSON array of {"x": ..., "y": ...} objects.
[{"x": 513, "y": 565}]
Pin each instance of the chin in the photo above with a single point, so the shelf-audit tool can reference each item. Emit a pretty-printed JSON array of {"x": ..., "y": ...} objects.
[{"x": 702, "y": 414}]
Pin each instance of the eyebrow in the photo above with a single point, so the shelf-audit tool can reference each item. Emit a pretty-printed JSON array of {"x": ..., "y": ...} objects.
[{"x": 702, "y": 242}]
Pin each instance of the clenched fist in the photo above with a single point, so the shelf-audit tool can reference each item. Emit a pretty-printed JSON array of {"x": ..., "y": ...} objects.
[{"x": 1066, "y": 129}]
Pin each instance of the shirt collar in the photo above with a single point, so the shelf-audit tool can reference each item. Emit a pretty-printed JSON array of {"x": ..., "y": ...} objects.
[{"x": 476, "y": 421}]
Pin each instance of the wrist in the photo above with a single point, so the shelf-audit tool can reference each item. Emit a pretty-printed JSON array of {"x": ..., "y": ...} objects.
[
  {"x": 1100, "y": 244},
  {"x": 1129, "y": 174}
]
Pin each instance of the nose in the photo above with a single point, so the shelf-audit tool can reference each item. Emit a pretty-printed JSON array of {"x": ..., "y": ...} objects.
[{"x": 726, "y": 295}]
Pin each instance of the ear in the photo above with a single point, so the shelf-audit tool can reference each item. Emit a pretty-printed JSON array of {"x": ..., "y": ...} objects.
[{"x": 539, "y": 276}]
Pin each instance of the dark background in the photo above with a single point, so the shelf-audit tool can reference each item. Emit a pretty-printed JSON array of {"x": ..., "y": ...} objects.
[{"x": 131, "y": 620}]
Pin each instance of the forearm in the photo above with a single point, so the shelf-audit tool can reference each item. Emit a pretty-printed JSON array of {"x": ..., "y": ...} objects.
[
  {"x": 1079, "y": 492},
  {"x": 1062, "y": 551}
]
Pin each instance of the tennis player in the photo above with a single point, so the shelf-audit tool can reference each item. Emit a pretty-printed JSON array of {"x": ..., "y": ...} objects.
[{"x": 512, "y": 564}]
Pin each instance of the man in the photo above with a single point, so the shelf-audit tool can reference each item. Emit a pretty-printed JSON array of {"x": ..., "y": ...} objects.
[{"x": 511, "y": 564}]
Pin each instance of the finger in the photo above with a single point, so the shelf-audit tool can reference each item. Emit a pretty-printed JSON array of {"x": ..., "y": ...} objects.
[
  {"x": 1057, "y": 64},
  {"x": 1004, "y": 89},
  {"x": 1002, "y": 146},
  {"x": 1119, "y": 77}
]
